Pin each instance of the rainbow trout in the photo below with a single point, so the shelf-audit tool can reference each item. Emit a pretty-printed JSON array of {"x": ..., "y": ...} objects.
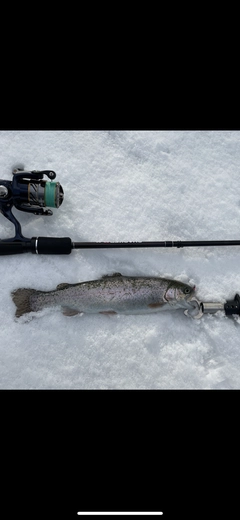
[{"x": 111, "y": 294}]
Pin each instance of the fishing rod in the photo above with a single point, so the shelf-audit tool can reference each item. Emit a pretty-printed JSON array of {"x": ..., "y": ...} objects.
[{"x": 30, "y": 192}]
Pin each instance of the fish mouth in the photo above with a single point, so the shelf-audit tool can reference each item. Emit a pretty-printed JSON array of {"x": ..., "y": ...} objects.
[
  {"x": 188, "y": 304},
  {"x": 185, "y": 304}
]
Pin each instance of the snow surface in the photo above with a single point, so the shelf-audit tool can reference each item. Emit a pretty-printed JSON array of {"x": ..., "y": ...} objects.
[{"x": 126, "y": 186}]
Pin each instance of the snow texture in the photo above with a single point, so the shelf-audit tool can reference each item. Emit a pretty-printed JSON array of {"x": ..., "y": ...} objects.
[{"x": 126, "y": 186}]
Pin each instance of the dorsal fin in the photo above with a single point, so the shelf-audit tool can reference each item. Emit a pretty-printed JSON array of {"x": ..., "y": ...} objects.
[
  {"x": 63, "y": 285},
  {"x": 111, "y": 275}
]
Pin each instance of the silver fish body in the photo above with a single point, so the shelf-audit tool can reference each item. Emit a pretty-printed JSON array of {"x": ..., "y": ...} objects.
[{"x": 111, "y": 294}]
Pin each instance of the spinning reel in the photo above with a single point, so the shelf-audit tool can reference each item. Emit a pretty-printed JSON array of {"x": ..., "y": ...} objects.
[{"x": 29, "y": 192}]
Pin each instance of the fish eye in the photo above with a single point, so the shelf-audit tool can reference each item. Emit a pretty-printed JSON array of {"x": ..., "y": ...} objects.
[{"x": 186, "y": 290}]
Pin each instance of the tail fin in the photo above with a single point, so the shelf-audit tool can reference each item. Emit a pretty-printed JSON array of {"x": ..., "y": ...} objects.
[{"x": 22, "y": 300}]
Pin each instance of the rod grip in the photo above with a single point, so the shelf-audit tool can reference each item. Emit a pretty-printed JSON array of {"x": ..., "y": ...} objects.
[
  {"x": 14, "y": 247},
  {"x": 52, "y": 246}
]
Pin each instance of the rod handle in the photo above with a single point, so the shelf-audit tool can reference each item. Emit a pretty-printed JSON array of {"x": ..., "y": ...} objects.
[
  {"x": 37, "y": 245},
  {"x": 14, "y": 247},
  {"x": 52, "y": 246}
]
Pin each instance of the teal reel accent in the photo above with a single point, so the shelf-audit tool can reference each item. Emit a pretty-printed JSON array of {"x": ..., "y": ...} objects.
[{"x": 52, "y": 194}]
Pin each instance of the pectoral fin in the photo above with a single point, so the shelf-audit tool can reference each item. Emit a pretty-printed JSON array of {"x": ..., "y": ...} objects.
[
  {"x": 67, "y": 311},
  {"x": 108, "y": 313},
  {"x": 156, "y": 305}
]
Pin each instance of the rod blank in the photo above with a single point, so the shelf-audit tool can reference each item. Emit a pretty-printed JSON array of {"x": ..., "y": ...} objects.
[{"x": 179, "y": 243}]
